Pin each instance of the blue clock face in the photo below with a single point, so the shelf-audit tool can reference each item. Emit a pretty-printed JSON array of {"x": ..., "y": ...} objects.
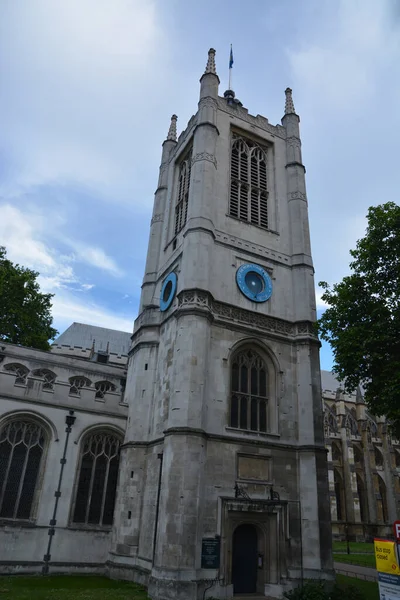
[
  {"x": 168, "y": 290},
  {"x": 254, "y": 282}
]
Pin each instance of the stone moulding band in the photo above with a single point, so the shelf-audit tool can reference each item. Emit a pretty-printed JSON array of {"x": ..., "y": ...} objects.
[
  {"x": 196, "y": 299},
  {"x": 314, "y": 448}
]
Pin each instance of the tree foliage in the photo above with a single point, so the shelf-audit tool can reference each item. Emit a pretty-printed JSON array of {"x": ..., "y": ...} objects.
[
  {"x": 362, "y": 321},
  {"x": 25, "y": 317}
]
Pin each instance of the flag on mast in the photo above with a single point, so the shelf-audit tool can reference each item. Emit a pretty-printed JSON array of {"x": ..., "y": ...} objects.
[
  {"x": 230, "y": 68},
  {"x": 231, "y": 58}
]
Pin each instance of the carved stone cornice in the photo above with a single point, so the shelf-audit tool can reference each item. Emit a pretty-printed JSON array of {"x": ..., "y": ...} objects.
[
  {"x": 297, "y": 196},
  {"x": 157, "y": 218},
  {"x": 293, "y": 141},
  {"x": 208, "y": 102},
  {"x": 220, "y": 311},
  {"x": 205, "y": 156}
]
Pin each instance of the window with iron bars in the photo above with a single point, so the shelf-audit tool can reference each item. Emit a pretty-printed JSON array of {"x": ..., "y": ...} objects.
[
  {"x": 21, "y": 452},
  {"x": 97, "y": 481},
  {"x": 181, "y": 208},
  {"x": 249, "y": 399},
  {"x": 249, "y": 191}
]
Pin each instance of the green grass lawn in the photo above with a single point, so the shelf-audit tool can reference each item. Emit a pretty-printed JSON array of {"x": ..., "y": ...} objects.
[
  {"x": 369, "y": 589},
  {"x": 72, "y": 587},
  {"x": 66, "y": 587},
  {"x": 356, "y": 547},
  {"x": 364, "y": 560}
]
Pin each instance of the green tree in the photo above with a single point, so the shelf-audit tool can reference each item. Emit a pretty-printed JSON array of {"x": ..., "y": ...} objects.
[
  {"x": 362, "y": 321},
  {"x": 25, "y": 317}
]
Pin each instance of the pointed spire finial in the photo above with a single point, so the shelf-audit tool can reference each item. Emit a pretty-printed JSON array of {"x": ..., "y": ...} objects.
[
  {"x": 210, "y": 67},
  {"x": 172, "y": 129},
  {"x": 289, "y": 106}
]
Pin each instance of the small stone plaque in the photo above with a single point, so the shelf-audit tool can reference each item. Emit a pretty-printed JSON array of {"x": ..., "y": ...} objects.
[{"x": 210, "y": 550}]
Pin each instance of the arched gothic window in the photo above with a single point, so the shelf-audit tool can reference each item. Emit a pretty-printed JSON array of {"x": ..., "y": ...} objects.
[
  {"x": 378, "y": 457},
  {"x": 339, "y": 493},
  {"x": 22, "y": 444},
  {"x": 97, "y": 480},
  {"x": 358, "y": 456},
  {"x": 330, "y": 422},
  {"x": 336, "y": 453},
  {"x": 249, "y": 192},
  {"x": 102, "y": 387},
  {"x": 20, "y": 371},
  {"x": 77, "y": 383},
  {"x": 183, "y": 193},
  {"x": 249, "y": 385},
  {"x": 350, "y": 423},
  {"x": 48, "y": 378},
  {"x": 362, "y": 497},
  {"x": 371, "y": 427},
  {"x": 382, "y": 499}
]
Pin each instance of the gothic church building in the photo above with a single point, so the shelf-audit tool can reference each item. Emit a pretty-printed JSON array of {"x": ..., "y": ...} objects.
[{"x": 193, "y": 450}]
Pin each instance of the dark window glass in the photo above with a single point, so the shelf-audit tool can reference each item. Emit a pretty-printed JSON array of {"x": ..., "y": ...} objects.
[
  {"x": 235, "y": 377},
  {"x": 21, "y": 450},
  {"x": 243, "y": 379},
  {"x": 253, "y": 415},
  {"x": 254, "y": 381},
  {"x": 263, "y": 415},
  {"x": 249, "y": 392},
  {"x": 97, "y": 482},
  {"x": 235, "y": 412},
  {"x": 243, "y": 413}
]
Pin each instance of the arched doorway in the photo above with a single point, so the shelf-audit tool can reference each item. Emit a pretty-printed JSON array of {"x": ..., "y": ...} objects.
[{"x": 244, "y": 559}]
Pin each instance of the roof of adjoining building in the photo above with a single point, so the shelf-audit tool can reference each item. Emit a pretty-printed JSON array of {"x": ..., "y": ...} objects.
[
  {"x": 329, "y": 381},
  {"x": 80, "y": 335}
]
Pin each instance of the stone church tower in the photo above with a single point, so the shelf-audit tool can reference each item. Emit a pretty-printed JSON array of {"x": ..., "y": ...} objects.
[{"x": 223, "y": 470}]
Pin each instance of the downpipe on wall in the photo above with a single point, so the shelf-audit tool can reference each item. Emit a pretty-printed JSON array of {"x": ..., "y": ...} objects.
[{"x": 69, "y": 420}]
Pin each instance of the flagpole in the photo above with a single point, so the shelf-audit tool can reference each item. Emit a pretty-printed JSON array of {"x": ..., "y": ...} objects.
[{"x": 230, "y": 69}]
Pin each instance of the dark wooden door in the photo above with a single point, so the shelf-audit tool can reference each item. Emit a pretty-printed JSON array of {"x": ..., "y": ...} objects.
[{"x": 244, "y": 560}]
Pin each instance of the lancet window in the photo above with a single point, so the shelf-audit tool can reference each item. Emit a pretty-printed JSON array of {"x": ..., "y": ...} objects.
[
  {"x": 249, "y": 191},
  {"x": 97, "y": 479},
  {"x": 182, "y": 202},
  {"x": 22, "y": 444}
]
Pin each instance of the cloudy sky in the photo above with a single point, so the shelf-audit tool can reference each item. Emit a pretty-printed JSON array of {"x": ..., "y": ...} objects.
[{"x": 87, "y": 90}]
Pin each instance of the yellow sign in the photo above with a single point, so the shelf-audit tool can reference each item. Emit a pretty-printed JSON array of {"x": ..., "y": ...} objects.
[{"x": 386, "y": 557}]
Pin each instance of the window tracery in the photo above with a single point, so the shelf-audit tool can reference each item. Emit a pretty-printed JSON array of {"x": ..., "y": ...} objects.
[
  {"x": 48, "y": 378},
  {"x": 182, "y": 202},
  {"x": 102, "y": 387},
  {"x": 249, "y": 387},
  {"x": 22, "y": 444},
  {"x": 20, "y": 371},
  {"x": 77, "y": 383},
  {"x": 97, "y": 480}
]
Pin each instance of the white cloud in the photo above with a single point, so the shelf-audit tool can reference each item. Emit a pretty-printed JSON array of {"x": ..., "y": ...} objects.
[
  {"x": 67, "y": 309},
  {"x": 22, "y": 234},
  {"x": 71, "y": 73},
  {"x": 97, "y": 258},
  {"x": 321, "y": 305},
  {"x": 337, "y": 66}
]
